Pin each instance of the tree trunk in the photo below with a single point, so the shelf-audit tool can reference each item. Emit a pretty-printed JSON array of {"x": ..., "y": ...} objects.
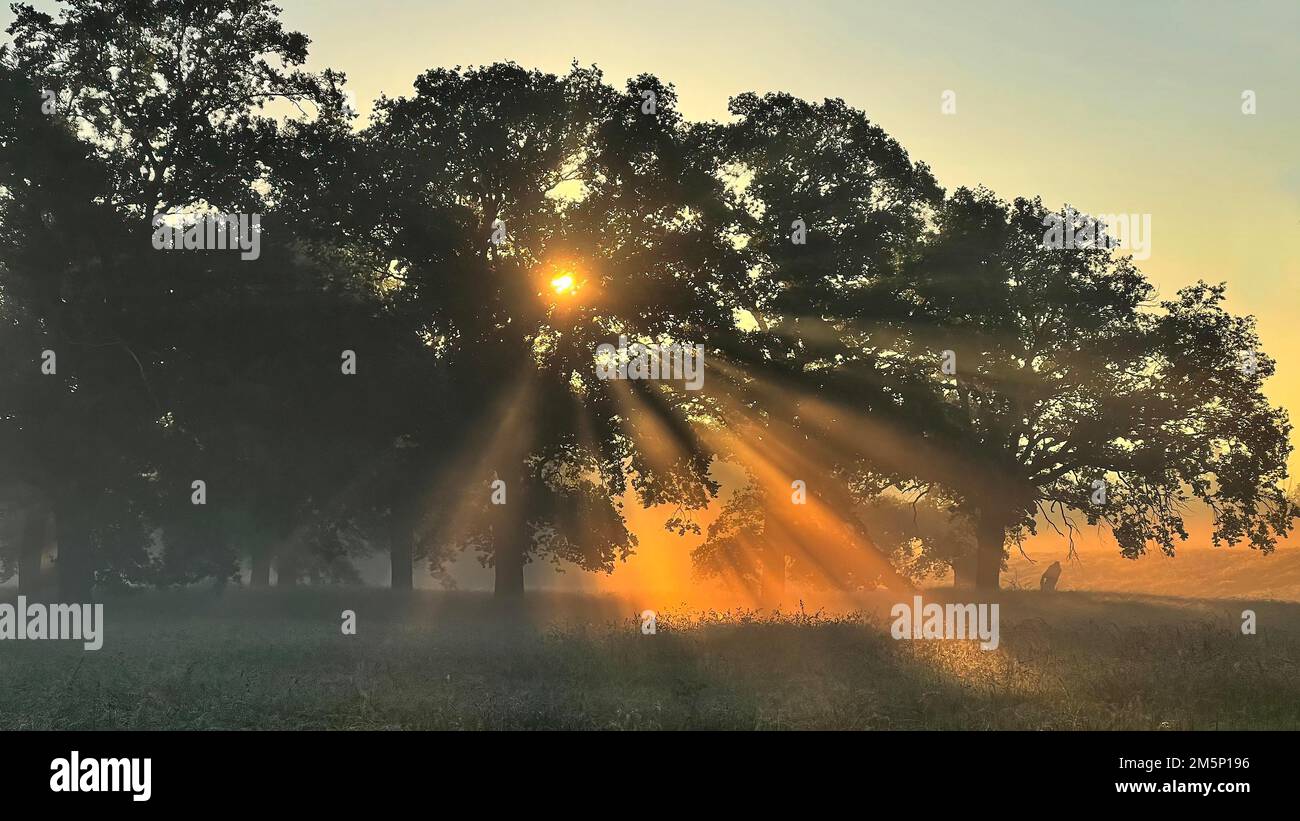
[
  {"x": 260, "y": 570},
  {"x": 508, "y": 558},
  {"x": 36, "y": 521},
  {"x": 286, "y": 571},
  {"x": 963, "y": 571},
  {"x": 512, "y": 539},
  {"x": 76, "y": 576},
  {"x": 990, "y": 537},
  {"x": 400, "y": 551}
]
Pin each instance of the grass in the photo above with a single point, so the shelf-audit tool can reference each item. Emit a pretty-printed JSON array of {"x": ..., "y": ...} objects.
[{"x": 245, "y": 660}]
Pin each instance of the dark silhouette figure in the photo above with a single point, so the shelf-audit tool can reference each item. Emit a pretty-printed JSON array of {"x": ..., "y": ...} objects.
[{"x": 1047, "y": 583}]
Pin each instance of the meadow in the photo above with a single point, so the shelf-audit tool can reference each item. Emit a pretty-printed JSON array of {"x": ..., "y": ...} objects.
[{"x": 239, "y": 659}]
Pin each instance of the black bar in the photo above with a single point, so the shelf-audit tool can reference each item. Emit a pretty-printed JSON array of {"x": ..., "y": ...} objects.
[{"x": 330, "y": 770}]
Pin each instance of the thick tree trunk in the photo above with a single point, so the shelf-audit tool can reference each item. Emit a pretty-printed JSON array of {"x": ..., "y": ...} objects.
[
  {"x": 400, "y": 552},
  {"x": 963, "y": 571},
  {"x": 402, "y": 575},
  {"x": 75, "y": 574},
  {"x": 990, "y": 538},
  {"x": 508, "y": 557},
  {"x": 512, "y": 540},
  {"x": 36, "y": 521},
  {"x": 509, "y": 583},
  {"x": 287, "y": 571},
  {"x": 260, "y": 570}
]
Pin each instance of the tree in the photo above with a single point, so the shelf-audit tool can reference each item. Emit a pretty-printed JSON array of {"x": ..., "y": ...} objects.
[
  {"x": 473, "y": 247},
  {"x": 166, "y": 91},
  {"x": 866, "y": 281},
  {"x": 76, "y": 409},
  {"x": 220, "y": 370},
  {"x": 1074, "y": 392},
  {"x": 488, "y": 186},
  {"x": 827, "y": 208}
]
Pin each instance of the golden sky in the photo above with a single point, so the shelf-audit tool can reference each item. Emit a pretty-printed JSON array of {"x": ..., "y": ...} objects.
[{"x": 1113, "y": 107}]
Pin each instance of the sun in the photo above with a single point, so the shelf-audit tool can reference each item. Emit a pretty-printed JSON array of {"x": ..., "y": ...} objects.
[{"x": 563, "y": 284}]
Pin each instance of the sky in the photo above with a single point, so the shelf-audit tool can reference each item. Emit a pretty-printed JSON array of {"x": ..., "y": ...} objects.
[{"x": 1112, "y": 107}]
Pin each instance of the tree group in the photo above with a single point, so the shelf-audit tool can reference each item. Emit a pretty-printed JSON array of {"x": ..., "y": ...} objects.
[{"x": 422, "y": 323}]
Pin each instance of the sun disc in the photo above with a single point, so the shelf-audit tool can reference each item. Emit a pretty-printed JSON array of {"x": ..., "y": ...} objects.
[{"x": 563, "y": 284}]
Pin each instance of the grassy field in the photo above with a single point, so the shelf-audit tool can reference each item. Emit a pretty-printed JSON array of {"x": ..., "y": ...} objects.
[{"x": 242, "y": 660}]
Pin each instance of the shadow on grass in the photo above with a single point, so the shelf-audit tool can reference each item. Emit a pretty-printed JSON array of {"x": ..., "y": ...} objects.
[{"x": 455, "y": 660}]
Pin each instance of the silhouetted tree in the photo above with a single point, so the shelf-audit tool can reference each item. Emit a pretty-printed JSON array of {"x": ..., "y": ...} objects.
[
  {"x": 579, "y": 180},
  {"x": 1075, "y": 391},
  {"x": 474, "y": 245},
  {"x": 78, "y": 428},
  {"x": 827, "y": 208},
  {"x": 168, "y": 91},
  {"x": 233, "y": 364}
]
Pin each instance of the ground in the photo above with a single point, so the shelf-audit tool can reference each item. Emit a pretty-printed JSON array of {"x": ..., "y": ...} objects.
[{"x": 447, "y": 660}]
